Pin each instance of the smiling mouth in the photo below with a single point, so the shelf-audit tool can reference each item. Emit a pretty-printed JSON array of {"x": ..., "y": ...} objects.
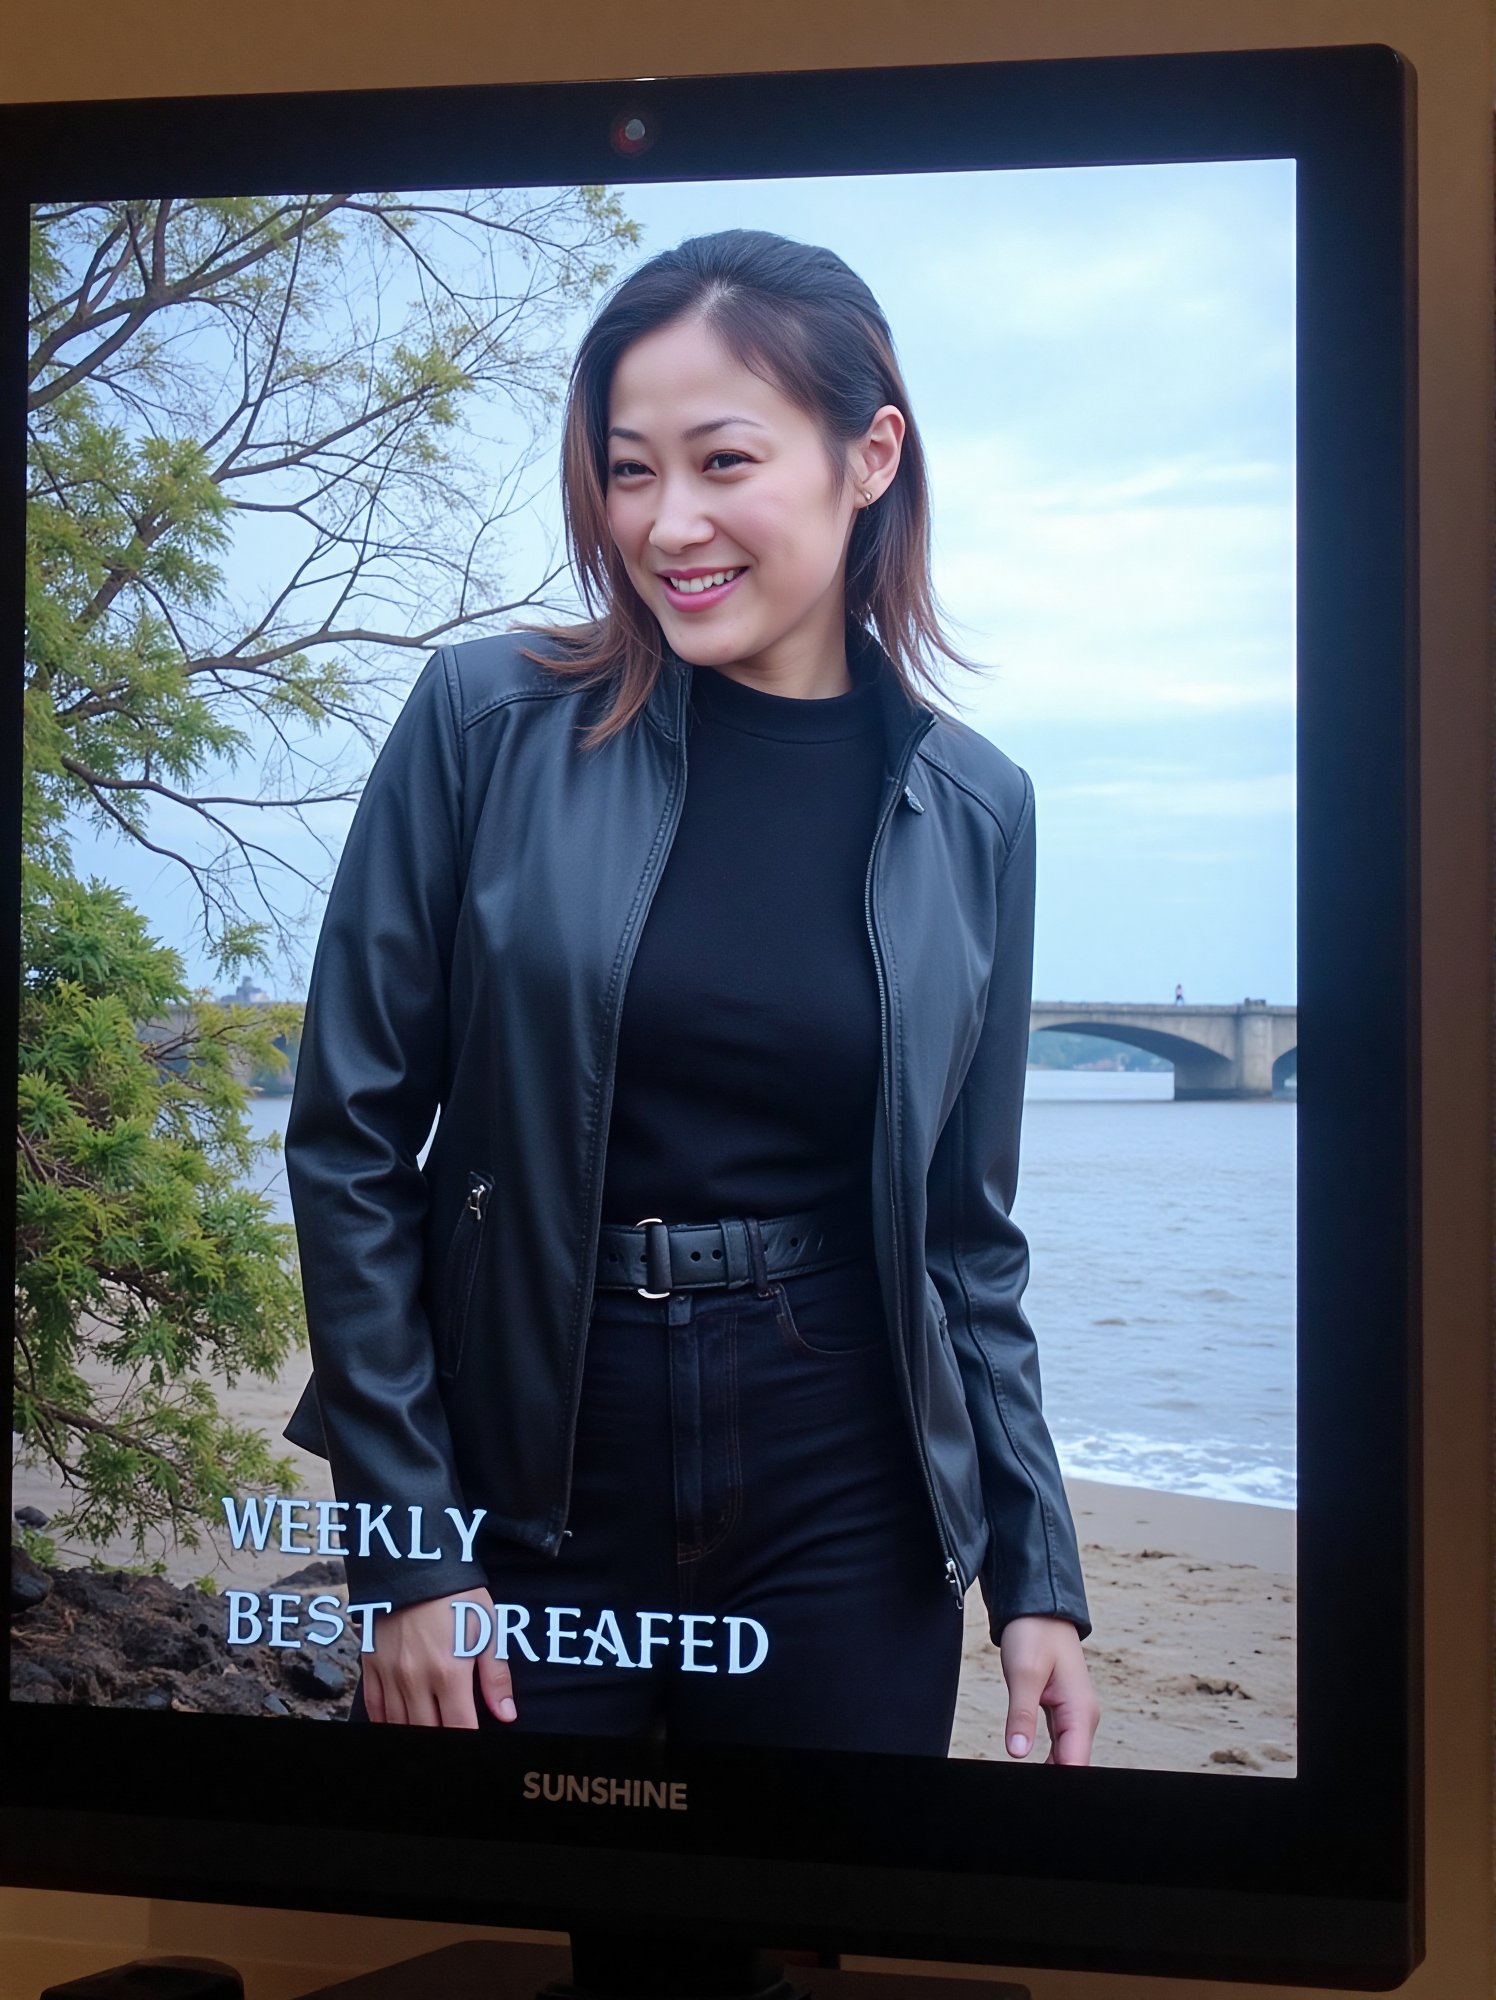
[{"x": 702, "y": 588}]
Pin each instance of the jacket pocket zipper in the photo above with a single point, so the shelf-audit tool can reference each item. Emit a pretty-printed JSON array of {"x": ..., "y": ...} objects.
[
  {"x": 953, "y": 1576},
  {"x": 462, "y": 1260}
]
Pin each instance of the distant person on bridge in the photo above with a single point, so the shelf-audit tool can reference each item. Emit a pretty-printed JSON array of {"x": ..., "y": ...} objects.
[{"x": 1178, "y": 996}]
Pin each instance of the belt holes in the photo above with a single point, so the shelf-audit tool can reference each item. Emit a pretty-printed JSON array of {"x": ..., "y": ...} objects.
[
  {"x": 695, "y": 1256},
  {"x": 718, "y": 1255},
  {"x": 794, "y": 1242}
]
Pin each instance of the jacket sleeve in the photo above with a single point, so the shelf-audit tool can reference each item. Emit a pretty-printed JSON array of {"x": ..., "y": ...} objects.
[
  {"x": 368, "y": 1081},
  {"x": 979, "y": 1262}
]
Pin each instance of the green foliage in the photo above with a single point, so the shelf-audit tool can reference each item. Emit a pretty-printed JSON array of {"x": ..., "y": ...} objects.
[
  {"x": 38, "y": 1545},
  {"x": 307, "y": 372},
  {"x": 146, "y": 1269}
]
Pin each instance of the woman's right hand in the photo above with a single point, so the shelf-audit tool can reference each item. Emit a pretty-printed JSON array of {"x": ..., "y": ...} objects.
[{"x": 412, "y": 1675}]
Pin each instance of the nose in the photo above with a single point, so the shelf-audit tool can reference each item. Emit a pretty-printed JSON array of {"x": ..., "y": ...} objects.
[{"x": 679, "y": 524}]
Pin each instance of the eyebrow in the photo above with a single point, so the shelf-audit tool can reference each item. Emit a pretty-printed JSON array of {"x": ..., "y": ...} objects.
[{"x": 696, "y": 430}]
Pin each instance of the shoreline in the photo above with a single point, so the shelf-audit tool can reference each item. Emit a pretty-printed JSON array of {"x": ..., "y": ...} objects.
[{"x": 1193, "y": 1653}]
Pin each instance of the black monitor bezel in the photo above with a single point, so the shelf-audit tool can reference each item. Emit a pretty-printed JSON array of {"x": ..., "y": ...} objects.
[{"x": 964, "y": 1861}]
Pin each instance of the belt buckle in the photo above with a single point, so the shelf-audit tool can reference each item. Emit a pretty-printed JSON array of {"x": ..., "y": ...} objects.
[{"x": 640, "y": 1288}]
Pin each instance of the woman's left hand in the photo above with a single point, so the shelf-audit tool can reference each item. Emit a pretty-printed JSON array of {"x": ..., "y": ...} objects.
[{"x": 1044, "y": 1668}]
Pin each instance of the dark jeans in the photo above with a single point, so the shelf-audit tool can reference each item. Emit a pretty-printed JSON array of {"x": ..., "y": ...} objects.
[{"x": 743, "y": 1459}]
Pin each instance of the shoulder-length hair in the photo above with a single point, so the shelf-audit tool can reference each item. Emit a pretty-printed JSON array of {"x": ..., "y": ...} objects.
[{"x": 800, "y": 318}]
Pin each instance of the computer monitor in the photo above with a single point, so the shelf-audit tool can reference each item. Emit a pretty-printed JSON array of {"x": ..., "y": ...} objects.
[{"x": 288, "y": 464}]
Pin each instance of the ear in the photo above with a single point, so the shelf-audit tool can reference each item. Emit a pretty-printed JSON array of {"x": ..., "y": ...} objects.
[{"x": 875, "y": 456}]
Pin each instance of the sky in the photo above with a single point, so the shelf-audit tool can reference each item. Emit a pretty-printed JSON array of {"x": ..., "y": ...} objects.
[{"x": 1100, "y": 361}]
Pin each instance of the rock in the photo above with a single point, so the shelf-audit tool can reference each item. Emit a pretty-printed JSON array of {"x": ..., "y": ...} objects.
[
  {"x": 29, "y": 1582},
  {"x": 229, "y": 1694},
  {"x": 30, "y": 1681},
  {"x": 31, "y": 1517},
  {"x": 113, "y": 1639},
  {"x": 315, "y": 1674},
  {"x": 150, "y": 1640},
  {"x": 153, "y": 1698},
  {"x": 327, "y": 1574}
]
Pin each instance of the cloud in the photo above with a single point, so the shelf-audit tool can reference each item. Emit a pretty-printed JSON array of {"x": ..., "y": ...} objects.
[
  {"x": 1270, "y": 795},
  {"x": 1057, "y": 256},
  {"x": 1163, "y": 586}
]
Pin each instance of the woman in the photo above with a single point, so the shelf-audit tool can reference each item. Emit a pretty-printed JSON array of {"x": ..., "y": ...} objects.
[{"x": 691, "y": 1364}]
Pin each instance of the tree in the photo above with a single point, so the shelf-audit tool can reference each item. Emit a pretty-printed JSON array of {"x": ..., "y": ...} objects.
[
  {"x": 220, "y": 389},
  {"x": 220, "y": 371},
  {"x": 143, "y": 1265}
]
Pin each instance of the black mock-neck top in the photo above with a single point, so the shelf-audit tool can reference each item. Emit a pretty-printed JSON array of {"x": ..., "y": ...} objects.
[{"x": 749, "y": 1047}]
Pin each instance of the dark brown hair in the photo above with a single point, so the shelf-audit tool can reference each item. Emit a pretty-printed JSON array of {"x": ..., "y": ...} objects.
[{"x": 800, "y": 318}]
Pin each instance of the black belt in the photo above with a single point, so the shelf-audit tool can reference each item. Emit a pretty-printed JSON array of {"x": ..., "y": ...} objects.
[{"x": 655, "y": 1258}]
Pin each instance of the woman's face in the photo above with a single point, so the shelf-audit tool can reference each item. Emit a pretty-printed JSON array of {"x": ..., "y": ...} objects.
[{"x": 752, "y": 495}]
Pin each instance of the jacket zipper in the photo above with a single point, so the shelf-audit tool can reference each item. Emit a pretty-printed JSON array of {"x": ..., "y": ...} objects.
[
  {"x": 952, "y": 1573},
  {"x": 480, "y": 1185},
  {"x": 599, "y": 1138}
]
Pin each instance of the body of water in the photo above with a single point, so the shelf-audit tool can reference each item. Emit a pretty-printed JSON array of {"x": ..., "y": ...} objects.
[{"x": 1162, "y": 1286}]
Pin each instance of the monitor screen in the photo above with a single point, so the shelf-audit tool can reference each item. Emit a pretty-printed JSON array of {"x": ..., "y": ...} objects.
[{"x": 744, "y": 1281}]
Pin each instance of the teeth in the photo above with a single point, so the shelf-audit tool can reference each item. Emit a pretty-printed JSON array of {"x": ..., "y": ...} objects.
[{"x": 698, "y": 583}]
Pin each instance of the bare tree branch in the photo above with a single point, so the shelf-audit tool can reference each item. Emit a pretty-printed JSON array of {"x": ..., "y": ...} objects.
[{"x": 309, "y": 374}]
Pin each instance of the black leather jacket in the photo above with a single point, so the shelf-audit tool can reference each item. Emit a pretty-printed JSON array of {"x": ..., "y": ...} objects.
[{"x": 472, "y": 958}]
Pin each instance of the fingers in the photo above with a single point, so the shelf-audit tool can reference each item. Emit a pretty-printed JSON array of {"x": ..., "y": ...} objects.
[
  {"x": 440, "y": 1699},
  {"x": 373, "y": 1694},
  {"x": 1071, "y": 1709},
  {"x": 1046, "y": 1670},
  {"x": 1025, "y": 1686},
  {"x": 421, "y": 1705},
  {"x": 414, "y": 1677},
  {"x": 454, "y": 1698},
  {"x": 1073, "y": 1714},
  {"x": 497, "y": 1687}
]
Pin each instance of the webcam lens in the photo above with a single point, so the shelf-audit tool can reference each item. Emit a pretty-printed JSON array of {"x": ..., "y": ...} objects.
[{"x": 632, "y": 132}]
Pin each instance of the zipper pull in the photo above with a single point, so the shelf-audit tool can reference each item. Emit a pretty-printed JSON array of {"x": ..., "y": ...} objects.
[
  {"x": 477, "y": 1195},
  {"x": 953, "y": 1578},
  {"x": 909, "y": 795}
]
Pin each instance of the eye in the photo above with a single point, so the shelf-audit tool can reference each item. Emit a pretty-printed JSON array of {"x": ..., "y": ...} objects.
[{"x": 629, "y": 467}]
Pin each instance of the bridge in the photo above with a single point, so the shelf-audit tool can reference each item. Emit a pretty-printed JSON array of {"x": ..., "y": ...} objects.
[
  {"x": 1242, "y": 1051},
  {"x": 1246, "y": 1050}
]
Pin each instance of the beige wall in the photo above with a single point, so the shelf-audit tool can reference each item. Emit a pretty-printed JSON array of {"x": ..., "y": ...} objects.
[{"x": 92, "y": 49}]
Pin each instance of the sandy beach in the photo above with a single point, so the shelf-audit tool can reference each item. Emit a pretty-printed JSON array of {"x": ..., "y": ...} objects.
[
  {"x": 1192, "y": 1655},
  {"x": 1194, "y": 1648}
]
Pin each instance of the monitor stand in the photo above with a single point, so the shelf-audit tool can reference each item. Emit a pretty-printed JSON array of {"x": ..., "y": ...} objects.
[{"x": 618, "y": 1967}]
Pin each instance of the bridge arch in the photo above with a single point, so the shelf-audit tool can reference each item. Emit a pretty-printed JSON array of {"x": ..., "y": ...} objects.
[{"x": 1245, "y": 1050}]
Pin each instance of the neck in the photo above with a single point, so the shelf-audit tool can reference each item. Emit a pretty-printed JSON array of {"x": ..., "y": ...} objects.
[
  {"x": 797, "y": 680},
  {"x": 811, "y": 662}
]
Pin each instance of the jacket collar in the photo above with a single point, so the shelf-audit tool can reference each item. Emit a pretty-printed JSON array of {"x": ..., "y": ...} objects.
[{"x": 904, "y": 719}]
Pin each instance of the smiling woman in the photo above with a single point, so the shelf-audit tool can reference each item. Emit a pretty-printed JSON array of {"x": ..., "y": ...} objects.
[
  {"x": 767, "y": 530},
  {"x": 773, "y": 1027},
  {"x": 813, "y": 485}
]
